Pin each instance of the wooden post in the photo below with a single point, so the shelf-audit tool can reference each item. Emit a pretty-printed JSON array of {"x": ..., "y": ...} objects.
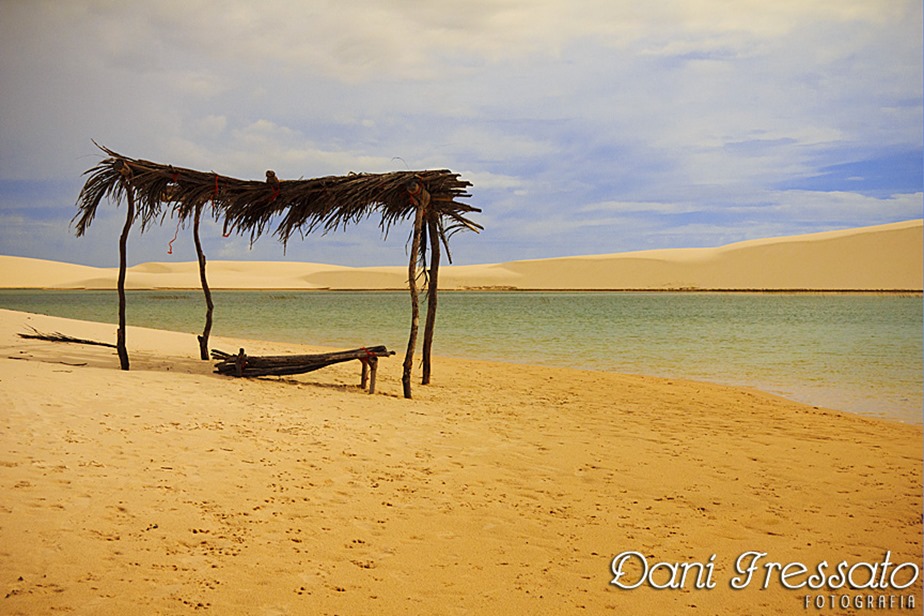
[
  {"x": 432, "y": 289},
  {"x": 123, "y": 250},
  {"x": 364, "y": 377},
  {"x": 240, "y": 362},
  {"x": 374, "y": 365},
  {"x": 204, "y": 338},
  {"x": 421, "y": 197}
]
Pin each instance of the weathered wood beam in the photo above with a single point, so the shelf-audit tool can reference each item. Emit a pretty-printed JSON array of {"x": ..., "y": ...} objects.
[
  {"x": 260, "y": 361},
  {"x": 242, "y": 365}
]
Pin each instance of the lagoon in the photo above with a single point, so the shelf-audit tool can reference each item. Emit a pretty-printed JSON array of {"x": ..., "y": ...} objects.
[{"x": 854, "y": 352}]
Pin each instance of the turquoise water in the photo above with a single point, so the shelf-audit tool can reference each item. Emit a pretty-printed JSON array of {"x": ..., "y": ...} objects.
[{"x": 860, "y": 353}]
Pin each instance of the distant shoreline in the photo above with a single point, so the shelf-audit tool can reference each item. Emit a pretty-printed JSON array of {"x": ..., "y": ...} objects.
[
  {"x": 896, "y": 292},
  {"x": 878, "y": 259}
]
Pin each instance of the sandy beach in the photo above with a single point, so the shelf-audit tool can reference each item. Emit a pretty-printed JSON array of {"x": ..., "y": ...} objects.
[
  {"x": 880, "y": 258},
  {"x": 641, "y": 285},
  {"x": 499, "y": 489}
]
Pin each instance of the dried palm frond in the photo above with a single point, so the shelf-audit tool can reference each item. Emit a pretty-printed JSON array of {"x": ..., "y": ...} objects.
[{"x": 250, "y": 206}]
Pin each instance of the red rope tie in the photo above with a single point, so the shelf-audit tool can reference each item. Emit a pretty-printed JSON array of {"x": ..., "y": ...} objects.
[
  {"x": 369, "y": 354},
  {"x": 276, "y": 191},
  {"x": 170, "y": 243}
]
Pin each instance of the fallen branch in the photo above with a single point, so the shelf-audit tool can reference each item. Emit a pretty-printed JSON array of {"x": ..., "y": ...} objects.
[{"x": 59, "y": 337}]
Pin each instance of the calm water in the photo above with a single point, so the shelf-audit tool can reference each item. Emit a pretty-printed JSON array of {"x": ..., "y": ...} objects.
[{"x": 860, "y": 353}]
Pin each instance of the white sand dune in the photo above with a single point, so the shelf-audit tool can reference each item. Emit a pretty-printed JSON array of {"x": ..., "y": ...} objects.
[{"x": 883, "y": 257}]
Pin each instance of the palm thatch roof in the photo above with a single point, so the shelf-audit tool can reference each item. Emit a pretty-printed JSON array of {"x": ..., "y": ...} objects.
[{"x": 250, "y": 206}]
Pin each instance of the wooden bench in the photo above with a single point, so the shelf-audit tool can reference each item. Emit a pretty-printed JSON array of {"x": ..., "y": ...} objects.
[{"x": 242, "y": 365}]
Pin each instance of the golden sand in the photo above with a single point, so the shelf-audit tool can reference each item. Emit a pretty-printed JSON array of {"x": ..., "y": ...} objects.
[{"x": 498, "y": 489}]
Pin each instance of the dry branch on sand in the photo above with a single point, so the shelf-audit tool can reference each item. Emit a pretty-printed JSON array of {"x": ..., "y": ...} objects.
[{"x": 59, "y": 337}]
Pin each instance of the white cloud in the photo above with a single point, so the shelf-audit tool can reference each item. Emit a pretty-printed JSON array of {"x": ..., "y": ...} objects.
[
  {"x": 819, "y": 207},
  {"x": 635, "y": 115},
  {"x": 212, "y": 125},
  {"x": 488, "y": 180},
  {"x": 649, "y": 207}
]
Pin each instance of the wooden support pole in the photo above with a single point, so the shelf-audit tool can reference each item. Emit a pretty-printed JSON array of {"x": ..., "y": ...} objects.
[
  {"x": 374, "y": 367},
  {"x": 432, "y": 290},
  {"x": 204, "y": 338},
  {"x": 420, "y": 195},
  {"x": 240, "y": 362},
  {"x": 123, "y": 257},
  {"x": 370, "y": 367}
]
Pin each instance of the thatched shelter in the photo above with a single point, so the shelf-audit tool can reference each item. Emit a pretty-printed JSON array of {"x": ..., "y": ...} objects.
[{"x": 154, "y": 191}]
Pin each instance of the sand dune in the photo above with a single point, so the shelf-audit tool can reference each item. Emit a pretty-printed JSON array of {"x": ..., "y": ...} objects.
[
  {"x": 884, "y": 257},
  {"x": 498, "y": 489}
]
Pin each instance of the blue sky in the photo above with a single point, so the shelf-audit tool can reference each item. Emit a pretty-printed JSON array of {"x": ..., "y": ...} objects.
[{"x": 586, "y": 126}]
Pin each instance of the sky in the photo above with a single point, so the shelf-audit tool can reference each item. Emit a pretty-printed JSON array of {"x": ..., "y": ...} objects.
[{"x": 585, "y": 126}]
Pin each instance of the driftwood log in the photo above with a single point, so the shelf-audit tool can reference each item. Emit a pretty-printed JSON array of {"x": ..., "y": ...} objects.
[{"x": 243, "y": 365}]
